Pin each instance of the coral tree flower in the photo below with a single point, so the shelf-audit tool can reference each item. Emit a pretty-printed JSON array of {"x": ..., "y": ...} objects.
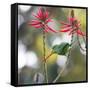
[
  {"x": 73, "y": 26},
  {"x": 42, "y": 20}
]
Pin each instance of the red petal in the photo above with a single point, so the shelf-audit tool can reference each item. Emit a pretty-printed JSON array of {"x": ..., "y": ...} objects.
[
  {"x": 37, "y": 26},
  {"x": 46, "y": 30},
  {"x": 72, "y": 32},
  {"x": 64, "y": 23},
  {"x": 65, "y": 30},
  {"x": 50, "y": 29},
  {"x": 46, "y": 14},
  {"x": 40, "y": 13},
  {"x": 78, "y": 24},
  {"x": 38, "y": 17},
  {"x": 71, "y": 19},
  {"x": 66, "y": 26},
  {"x": 48, "y": 20},
  {"x": 80, "y": 33},
  {"x": 35, "y": 22}
]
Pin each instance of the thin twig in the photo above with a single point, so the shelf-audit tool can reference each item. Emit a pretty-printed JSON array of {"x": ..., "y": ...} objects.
[{"x": 49, "y": 56}]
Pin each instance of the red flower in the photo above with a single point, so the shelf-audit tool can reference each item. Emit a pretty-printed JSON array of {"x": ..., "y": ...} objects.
[
  {"x": 73, "y": 26},
  {"x": 42, "y": 20}
]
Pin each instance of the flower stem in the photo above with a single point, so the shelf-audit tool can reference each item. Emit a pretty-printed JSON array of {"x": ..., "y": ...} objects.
[
  {"x": 80, "y": 43},
  {"x": 45, "y": 67},
  {"x": 84, "y": 39},
  {"x": 69, "y": 52},
  {"x": 60, "y": 73},
  {"x": 45, "y": 63},
  {"x": 45, "y": 71}
]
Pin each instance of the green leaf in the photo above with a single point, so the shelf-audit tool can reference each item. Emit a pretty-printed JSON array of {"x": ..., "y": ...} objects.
[{"x": 61, "y": 49}]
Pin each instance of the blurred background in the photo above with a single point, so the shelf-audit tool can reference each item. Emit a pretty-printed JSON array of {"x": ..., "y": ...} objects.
[{"x": 30, "y": 47}]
